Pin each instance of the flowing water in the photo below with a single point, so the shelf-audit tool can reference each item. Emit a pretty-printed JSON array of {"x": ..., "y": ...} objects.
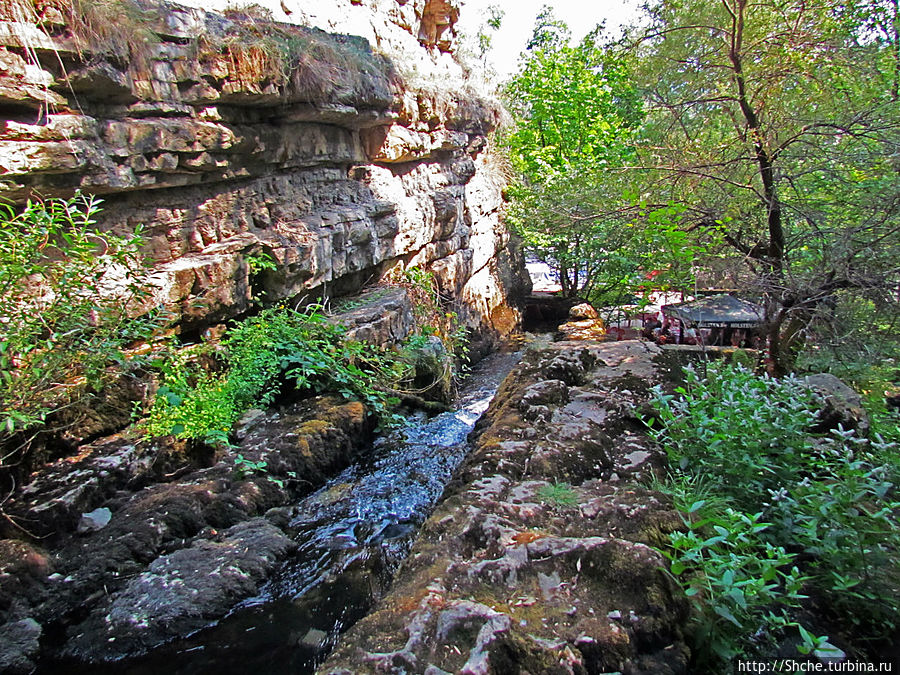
[{"x": 351, "y": 534}]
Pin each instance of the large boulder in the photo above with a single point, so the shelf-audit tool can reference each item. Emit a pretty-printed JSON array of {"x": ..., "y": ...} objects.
[
  {"x": 583, "y": 311},
  {"x": 841, "y": 405}
]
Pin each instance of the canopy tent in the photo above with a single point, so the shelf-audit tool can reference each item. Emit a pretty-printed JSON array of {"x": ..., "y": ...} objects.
[{"x": 716, "y": 311}]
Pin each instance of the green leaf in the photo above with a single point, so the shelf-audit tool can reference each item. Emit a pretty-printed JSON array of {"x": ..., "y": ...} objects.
[
  {"x": 696, "y": 506},
  {"x": 725, "y": 613}
]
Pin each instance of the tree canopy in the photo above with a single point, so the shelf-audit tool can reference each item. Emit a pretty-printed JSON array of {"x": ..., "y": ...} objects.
[
  {"x": 576, "y": 112},
  {"x": 771, "y": 127}
]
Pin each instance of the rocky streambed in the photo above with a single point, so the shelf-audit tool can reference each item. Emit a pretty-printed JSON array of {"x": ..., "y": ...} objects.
[
  {"x": 222, "y": 567},
  {"x": 539, "y": 558}
]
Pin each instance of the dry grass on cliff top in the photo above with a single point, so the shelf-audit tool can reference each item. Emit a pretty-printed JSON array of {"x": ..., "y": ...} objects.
[
  {"x": 250, "y": 44},
  {"x": 308, "y": 60},
  {"x": 118, "y": 28}
]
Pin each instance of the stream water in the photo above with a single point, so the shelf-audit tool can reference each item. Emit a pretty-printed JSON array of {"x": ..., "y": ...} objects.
[{"x": 351, "y": 534}]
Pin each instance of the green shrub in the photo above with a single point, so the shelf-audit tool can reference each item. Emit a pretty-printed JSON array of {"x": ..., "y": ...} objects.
[
  {"x": 67, "y": 297},
  {"x": 744, "y": 433},
  {"x": 745, "y": 440},
  {"x": 734, "y": 577},
  {"x": 261, "y": 355}
]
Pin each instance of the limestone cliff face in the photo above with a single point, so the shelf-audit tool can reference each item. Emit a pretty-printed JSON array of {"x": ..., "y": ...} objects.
[{"x": 232, "y": 138}]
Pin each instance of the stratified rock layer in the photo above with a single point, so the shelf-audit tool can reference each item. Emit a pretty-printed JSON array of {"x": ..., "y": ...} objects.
[
  {"x": 539, "y": 558},
  {"x": 232, "y": 140}
]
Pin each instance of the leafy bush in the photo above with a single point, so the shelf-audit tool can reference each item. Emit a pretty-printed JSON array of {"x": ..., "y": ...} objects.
[
  {"x": 734, "y": 575},
  {"x": 67, "y": 294},
  {"x": 745, "y": 439},
  {"x": 745, "y": 434},
  {"x": 843, "y": 515},
  {"x": 262, "y": 354}
]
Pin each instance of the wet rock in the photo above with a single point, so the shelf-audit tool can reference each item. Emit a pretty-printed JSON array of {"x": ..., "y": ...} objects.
[
  {"x": 431, "y": 364},
  {"x": 314, "y": 638},
  {"x": 94, "y": 520},
  {"x": 280, "y": 516},
  {"x": 184, "y": 591},
  {"x": 19, "y": 642},
  {"x": 176, "y": 555}
]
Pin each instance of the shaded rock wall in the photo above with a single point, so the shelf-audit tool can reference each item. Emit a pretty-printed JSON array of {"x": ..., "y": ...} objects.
[{"x": 332, "y": 161}]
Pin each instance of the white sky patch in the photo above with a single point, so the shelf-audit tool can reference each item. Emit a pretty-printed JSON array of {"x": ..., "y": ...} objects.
[{"x": 518, "y": 23}]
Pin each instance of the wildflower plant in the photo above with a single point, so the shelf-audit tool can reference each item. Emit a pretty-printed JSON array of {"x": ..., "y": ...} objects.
[{"x": 770, "y": 508}]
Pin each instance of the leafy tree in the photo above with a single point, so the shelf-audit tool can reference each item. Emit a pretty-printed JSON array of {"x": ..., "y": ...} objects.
[
  {"x": 776, "y": 122},
  {"x": 576, "y": 112}
]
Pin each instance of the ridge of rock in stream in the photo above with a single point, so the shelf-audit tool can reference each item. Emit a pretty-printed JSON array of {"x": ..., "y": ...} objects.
[
  {"x": 177, "y": 554},
  {"x": 514, "y": 572}
]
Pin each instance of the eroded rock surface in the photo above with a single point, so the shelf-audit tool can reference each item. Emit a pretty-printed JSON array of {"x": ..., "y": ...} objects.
[
  {"x": 339, "y": 164},
  {"x": 539, "y": 557},
  {"x": 184, "y": 542}
]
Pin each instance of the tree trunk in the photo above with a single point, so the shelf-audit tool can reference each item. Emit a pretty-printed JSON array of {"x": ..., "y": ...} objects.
[
  {"x": 785, "y": 335},
  {"x": 774, "y": 255}
]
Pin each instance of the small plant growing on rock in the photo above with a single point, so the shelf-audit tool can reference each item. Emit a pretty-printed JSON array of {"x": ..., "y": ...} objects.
[
  {"x": 558, "y": 494},
  {"x": 434, "y": 321},
  {"x": 244, "y": 468},
  {"x": 260, "y": 261}
]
